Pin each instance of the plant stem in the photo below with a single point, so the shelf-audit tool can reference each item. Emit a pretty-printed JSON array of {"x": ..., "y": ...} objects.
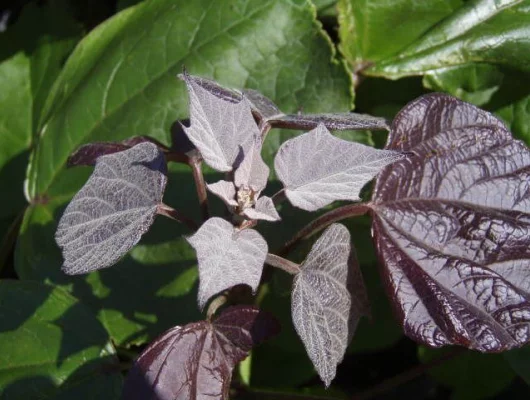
[
  {"x": 406, "y": 376},
  {"x": 200, "y": 185},
  {"x": 9, "y": 239},
  {"x": 282, "y": 263},
  {"x": 278, "y": 197},
  {"x": 177, "y": 157},
  {"x": 338, "y": 214},
  {"x": 170, "y": 212},
  {"x": 214, "y": 305}
]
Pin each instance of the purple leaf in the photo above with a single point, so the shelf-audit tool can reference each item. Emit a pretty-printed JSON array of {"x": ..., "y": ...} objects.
[
  {"x": 333, "y": 122},
  {"x": 252, "y": 173},
  {"x": 452, "y": 227},
  {"x": 317, "y": 168},
  {"x": 196, "y": 361},
  {"x": 322, "y": 309},
  {"x": 221, "y": 130},
  {"x": 262, "y": 107},
  {"x": 117, "y": 205},
  {"x": 87, "y": 154},
  {"x": 227, "y": 257}
]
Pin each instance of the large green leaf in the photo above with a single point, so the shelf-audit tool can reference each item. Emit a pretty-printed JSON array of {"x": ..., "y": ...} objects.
[
  {"x": 31, "y": 55},
  {"x": 52, "y": 346},
  {"x": 519, "y": 360},
  {"x": 487, "y": 31},
  {"x": 121, "y": 81},
  {"x": 517, "y": 117},
  {"x": 372, "y": 30}
]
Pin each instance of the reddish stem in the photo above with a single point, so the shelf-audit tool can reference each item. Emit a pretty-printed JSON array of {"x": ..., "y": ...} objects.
[
  {"x": 200, "y": 185},
  {"x": 170, "y": 212}
]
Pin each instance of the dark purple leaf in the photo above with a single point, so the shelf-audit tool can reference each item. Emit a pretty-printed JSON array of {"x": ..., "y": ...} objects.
[
  {"x": 452, "y": 227},
  {"x": 333, "y": 122},
  {"x": 196, "y": 361},
  {"x": 112, "y": 211},
  {"x": 89, "y": 153},
  {"x": 262, "y": 107}
]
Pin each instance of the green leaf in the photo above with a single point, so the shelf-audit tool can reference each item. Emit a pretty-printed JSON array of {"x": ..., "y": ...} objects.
[
  {"x": 371, "y": 30},
  {"x": 31, "y": 55},
  {"x": 485, "y": 31},
  {"x": 519, "y": 360},
  {"x": 475, "y": 83},
  {"x": 120, "y": 81},
  {"x": 148, "y": 291},
  {"x": 471, "y": 375},
  {"x": 517, "y": 118},
  {"x": 52, "y": 346}
]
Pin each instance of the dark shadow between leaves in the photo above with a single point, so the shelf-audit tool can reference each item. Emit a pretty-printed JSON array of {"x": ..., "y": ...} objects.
[{"x": 12, "y": 177}]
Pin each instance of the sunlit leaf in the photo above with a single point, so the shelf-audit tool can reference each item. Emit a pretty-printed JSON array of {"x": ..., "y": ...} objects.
[
  {"x": 117, "y": 205},
  {"x": 346, "y": 121},
  {"x": 222, "y": 131},
  {"x": 227, "y": 257},
  {"x": 195, "y": 361},
  {"x": 322, "y": 309},
  {"x": 263, "y": 209},
  {"x": 252, "y": 172},
  {"x": 451, "y": 226},
  {"x": 225, "y": 190},
  {"x": 317, "y": 168}
]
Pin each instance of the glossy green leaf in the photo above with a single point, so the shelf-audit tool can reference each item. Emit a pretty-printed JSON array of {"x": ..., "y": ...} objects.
[
  {"x": 31, "y": 55},
  {"x": 471, "y": 375},
  {"x": 45, "y": 337},
  {"x": 474, "y": 83},
  {"x": 488, "y": 31},
  {"x": 517, "y": 118},
  {"x": 121, "y": 79},
  {"x": 371, "y": 30}
]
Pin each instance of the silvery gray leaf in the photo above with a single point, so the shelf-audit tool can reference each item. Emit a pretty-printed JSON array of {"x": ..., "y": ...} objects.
[
  {"x": 252, "y": 172},
  {"x": 334, "y": 122},
  {"x": 321, "y": 303},
  {"x": 227, "y": 257},
  {"x": 317, "y": 168},
  {"x": 262, "y": 106},
  {"x": 117, "y": 205},
  {"x": 221, "y": 130},
  {"x": 263, "y": 209},
  {"x": 225, "y": 190}
]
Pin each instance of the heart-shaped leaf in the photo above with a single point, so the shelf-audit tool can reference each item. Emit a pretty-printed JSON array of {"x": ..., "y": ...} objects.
[
  {"x": 227, "y": 257},
  {"x": 317, "y": 168},
  {"x": 222, "y": 131},
  {"x": 451, "y": 227},
  {"x": 117, "y": 205},
  {"x": 322, "y": 309},
  {"x": 195, "y": 361}
]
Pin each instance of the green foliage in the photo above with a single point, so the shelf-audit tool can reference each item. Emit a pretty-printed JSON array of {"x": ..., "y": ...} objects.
[
  {"x": 61, "y": 90},
  {"x": 52, "y": 346}
]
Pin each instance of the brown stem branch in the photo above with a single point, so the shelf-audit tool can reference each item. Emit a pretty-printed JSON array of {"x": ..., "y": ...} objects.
[
  {"x": 214, "y": 305},
  {"x": 200, "y": 185},
  {"x": 282, "y": 263},
  {"x": 170, "y": 212},
  {"x": 338, "y": 214}
]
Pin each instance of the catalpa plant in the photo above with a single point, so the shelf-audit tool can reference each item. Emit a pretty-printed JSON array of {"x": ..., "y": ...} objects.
[{"x": 450, "y": 213}]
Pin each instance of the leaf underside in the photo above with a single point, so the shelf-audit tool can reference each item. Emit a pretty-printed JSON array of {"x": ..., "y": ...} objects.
[
  {"x": 452, "y": 227},
  {"x": 323, "y": 312},
  {"x": 227, "y": 257},
  {"x": 117, "y": 205},
  {"x": 317, "y": 168},
  {"x": 196, "y": 361}
]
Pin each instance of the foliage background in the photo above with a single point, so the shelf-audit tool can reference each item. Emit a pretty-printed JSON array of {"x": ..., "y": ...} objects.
[{"x": 73, "y": 72}]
